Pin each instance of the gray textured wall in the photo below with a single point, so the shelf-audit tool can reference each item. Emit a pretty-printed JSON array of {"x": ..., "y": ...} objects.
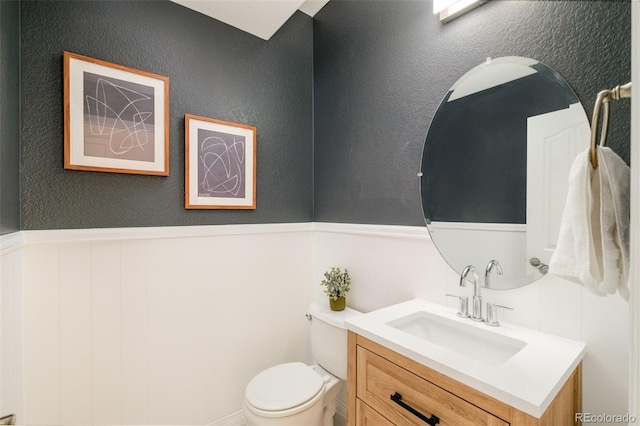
[
  {"x": 381, "y": 69},
  {"x": 215, "y": 71},
  {"x": 9, "y": 116}
]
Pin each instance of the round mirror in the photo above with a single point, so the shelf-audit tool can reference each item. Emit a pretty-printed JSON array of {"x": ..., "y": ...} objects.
[{"x": 495, "y": 166}]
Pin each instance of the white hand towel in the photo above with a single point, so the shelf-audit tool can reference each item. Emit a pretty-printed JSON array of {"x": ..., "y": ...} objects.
[
  {"x": 593, "y": 244},
  {"x": 615, "y": 181}
]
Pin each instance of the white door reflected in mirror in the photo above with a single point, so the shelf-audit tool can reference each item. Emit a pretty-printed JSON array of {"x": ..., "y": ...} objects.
[{"x": 553, "y": 142}]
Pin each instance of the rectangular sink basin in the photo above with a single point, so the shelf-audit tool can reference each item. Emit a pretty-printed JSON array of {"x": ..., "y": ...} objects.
[{"x": 465, "y": 339}]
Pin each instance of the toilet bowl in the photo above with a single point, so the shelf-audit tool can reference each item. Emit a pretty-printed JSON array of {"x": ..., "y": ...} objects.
[
  {"x": 296, "y": 394},
  {"x": 292, "y": 394}
]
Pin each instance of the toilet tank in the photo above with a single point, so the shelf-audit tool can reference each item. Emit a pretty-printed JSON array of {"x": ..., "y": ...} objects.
[{"x": 329, "y": 337}]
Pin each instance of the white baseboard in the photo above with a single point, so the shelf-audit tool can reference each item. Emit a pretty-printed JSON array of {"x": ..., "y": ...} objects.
[
  {"x": 234, "y": 419},
  {"x": 341, "y": 413},
  {"x": 237, "y": 419}
]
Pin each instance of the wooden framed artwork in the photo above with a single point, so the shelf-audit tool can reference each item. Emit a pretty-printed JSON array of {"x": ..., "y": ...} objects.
[
  {"x": 220, "y": 169},
  {"x": 116, "y": 118}
]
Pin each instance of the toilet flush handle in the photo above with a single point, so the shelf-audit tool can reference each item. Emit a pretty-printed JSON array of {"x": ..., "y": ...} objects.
[{"x": 309, "y": 317}]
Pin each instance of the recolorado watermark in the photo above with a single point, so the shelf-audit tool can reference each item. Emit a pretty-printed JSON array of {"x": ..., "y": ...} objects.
[{"x": 605, "y": 418}]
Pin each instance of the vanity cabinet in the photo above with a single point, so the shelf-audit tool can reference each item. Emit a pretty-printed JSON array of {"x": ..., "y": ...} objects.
[{"x": 386, "y": 388}]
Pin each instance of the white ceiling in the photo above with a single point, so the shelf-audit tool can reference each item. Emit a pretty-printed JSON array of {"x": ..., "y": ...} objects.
[{"x": 262, "y": 18}]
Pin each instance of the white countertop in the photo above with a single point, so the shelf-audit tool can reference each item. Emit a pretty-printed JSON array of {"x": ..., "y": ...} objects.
[{"x": 528, "y": 381}]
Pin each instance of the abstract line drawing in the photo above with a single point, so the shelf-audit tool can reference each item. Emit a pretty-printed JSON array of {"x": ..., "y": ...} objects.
[
  {"x": 119, "y": 119},
  {"x": 221, "y": 160},
  {"x": 116, "y": 118},
  {"x": 220, "y": 164}
]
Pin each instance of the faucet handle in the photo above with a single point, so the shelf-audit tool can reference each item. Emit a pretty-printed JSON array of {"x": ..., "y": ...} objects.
[
  {"x": 463, "y": 312},
  {"x": 492, "y": 314}
]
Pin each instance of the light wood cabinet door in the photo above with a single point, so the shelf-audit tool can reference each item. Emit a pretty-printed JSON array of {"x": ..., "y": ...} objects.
[
  {"x": 367, "y": 416},
  {"x": 403, "y": 397}
]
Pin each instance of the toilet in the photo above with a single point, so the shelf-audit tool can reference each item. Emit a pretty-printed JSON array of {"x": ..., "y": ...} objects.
[{"x": 296, "y": 394}]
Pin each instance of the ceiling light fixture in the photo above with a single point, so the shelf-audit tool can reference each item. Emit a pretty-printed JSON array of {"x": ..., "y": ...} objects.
[{"x": 450, "y": 9}]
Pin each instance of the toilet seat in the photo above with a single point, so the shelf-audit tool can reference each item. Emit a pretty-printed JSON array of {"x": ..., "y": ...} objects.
[{"x": 284, "y": 387}]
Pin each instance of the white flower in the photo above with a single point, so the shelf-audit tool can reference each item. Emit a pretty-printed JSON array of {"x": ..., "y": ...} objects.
[{"x": 337, "y": 283}]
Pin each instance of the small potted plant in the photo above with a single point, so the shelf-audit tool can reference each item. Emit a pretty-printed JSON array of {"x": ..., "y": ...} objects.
[{"x": 337, "y": 284}]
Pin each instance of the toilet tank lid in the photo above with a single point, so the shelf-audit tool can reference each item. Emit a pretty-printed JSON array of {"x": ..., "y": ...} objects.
[
  {"x": 283, "y": 386},
  {"x": 322, "y": 311}
]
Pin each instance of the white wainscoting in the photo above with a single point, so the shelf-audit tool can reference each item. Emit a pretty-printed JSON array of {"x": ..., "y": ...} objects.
[
  {"x": 150, "y": 330},
  {"x": 392, "y": 264},
  {"x": 166, "y": 326},
  {"x": 11, "y": 335}
]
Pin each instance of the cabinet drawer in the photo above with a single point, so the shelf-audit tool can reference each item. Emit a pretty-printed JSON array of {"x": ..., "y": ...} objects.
[
  {"x": 378, "y": 379},
  {"x": 367, "y": 416}
]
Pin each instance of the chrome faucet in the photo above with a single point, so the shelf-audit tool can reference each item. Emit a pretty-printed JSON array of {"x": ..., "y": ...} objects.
[
  {"x": 476, "y": 313},
  {"x": 487, "y": 272}
]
